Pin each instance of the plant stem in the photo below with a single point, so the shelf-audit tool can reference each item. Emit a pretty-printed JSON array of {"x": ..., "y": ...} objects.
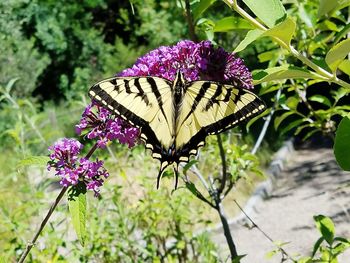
[
  {"x": 191, "y": 30},
  {"x": 49, "y": 213},
  {"x": 42, "y": 225},
  {"x": 220, "y": 209},
  {"x": 323, "y": 74},
  {"x": 224, "y": 166}
]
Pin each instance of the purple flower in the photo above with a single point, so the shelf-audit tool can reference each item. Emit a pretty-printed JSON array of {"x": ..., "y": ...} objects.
[
  {"x": 106, "y": 127},
  {"x": 197, "y": 61},
  {"x": 72, "y": 169}
]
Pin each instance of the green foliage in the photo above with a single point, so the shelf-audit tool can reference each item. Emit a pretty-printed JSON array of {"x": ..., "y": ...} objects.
[
  {"x": 342, "y": 144},
  {"x": 77, "y": 209},
  {"x": 335, "y": 245}
]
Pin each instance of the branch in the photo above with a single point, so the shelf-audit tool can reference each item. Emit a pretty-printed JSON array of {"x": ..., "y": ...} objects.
[
  {"x": 224, "y": 166},
  {"x": 189, "y": 19}
]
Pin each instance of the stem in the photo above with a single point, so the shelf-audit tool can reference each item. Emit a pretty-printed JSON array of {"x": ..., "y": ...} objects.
[
  {"x": 42, "y": 225},
  {"x": 189, "y": 19},
  {"x": 220, "y": 209},
  {"x": 49, "y": 213},
  {"x": 324, "y": 74},
  {"x": 224, "y": 166}
]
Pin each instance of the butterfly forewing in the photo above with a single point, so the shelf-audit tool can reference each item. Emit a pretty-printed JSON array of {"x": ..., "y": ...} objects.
[{"x": 144, "y": 102}]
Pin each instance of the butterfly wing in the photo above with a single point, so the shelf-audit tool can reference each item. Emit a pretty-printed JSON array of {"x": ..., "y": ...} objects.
[
  {"x": 145, "y": 102},
  {"x": 210, "y": 108}
]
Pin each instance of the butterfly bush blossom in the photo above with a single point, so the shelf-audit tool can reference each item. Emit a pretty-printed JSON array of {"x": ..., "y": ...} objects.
[
  {"x": 196, "y": 61},
  {"x": 73, "y": 169}
]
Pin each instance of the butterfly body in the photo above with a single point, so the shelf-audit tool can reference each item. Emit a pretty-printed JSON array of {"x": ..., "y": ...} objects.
[{"x": 175, "y": 117}]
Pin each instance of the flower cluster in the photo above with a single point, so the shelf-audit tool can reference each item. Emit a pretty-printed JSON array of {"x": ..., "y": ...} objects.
[
  {"x": 197, "y": 61},
  {"x": 72, "y": 169},
  {"x": 105, "y": 127}
]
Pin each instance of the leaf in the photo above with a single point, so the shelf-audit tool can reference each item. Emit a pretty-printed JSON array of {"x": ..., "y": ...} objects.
[
  {"x": 281, "y": 73},
  {"x": 251, "y": 36},
  {"x": 188, "y": 165},
  {"x": 327, "y": 7},
  {"x": 317, "y": 245},
  {"x": 321, "y": 99},
  {"x": 33, "y": 160},
  {"x": 284, "y": 31},
  {"x": 342, "y": 144},
  {"x": 326, "y": 227},
  {"x": 291, "y": 125},
  {"x": 231, "y": 23},
  {"x": 200, "y": 7},
  {"x": 77, "y": 209},
  {"x": 345, "y": 66},
  {"x": 336, "y": 54},
  {"x": 279, "y": 119},
  {"x": 271, "y": 12},
  {"x": 251, "y": 121}
]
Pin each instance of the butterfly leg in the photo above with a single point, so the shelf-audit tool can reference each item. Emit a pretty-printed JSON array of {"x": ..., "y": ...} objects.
[
  {"x": 176, "y": 171},
  {"x": 163, "y": 165}
]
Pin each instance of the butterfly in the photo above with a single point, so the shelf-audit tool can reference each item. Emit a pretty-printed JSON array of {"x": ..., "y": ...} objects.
[{"x": 175, "y": 117}]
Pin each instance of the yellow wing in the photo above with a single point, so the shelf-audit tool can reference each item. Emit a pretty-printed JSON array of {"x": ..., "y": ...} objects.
[
  {"x": 145, "y": 102},
  {"x": 210, "y": 108}
]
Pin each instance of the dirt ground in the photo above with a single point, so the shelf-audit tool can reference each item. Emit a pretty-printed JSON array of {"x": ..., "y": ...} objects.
[{"x": 311, "y": 184}]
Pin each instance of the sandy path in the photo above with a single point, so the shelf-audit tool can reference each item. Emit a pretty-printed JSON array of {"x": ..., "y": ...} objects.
[{"x": 311, "y": 184}]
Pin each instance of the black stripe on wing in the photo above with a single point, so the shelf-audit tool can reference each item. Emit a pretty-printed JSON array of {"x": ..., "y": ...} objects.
[
  {"x": 147, "y": 135},
  {"x": 249, "y": 111}
]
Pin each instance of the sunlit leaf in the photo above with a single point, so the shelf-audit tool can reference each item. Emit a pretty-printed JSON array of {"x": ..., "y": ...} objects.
[
  {"x": 336, "y": 54},
  {"x": 200, "y": 7},
  {"x": 327, "y": 7},
  {"x": 326, "y": 227},
  {"x": 284, "y": 31},
  {"x": 231, "y": 23},
  {"x": 271, "y": 12},
  {"x": 282, "y": 73},
  {"x": 34, "y": 160},
  {"x": 321, "y": 99},
  {"x": 251, "y": 36},
  {"x": 345, "y": 66},
  {"x": 342, "y": 144},
  {"x": 77, "y": 209}
]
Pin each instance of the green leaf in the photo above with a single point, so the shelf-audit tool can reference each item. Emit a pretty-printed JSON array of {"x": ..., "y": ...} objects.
[
  {"x": 271, "y": 12},
  {"x": 231, "y": 23},
  {"x": 188, "y": 165},
  {"x": 251, "y": 121},
  {"x": 336, "y": 54},
  {"x": 326, "y": 227},
  {"x": 345, "y": 66},
  {"x": 200, "y": 7},
  {"x": 321, "y": 99},
  {"x": 279, "y": 119},
  {"x": 291, "y": 125},
  {"x": 327, "y": 7},
  {"x": 342, "y": 144},
  {"x": 77, "y": 209},
  {"x": 284, "y": 31},
  {"x": 317, "y": 246},
  {"x": 251, "y": 36},
  {"x": 281, "y": 73},
  {"x": 33, "y": 160}
]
